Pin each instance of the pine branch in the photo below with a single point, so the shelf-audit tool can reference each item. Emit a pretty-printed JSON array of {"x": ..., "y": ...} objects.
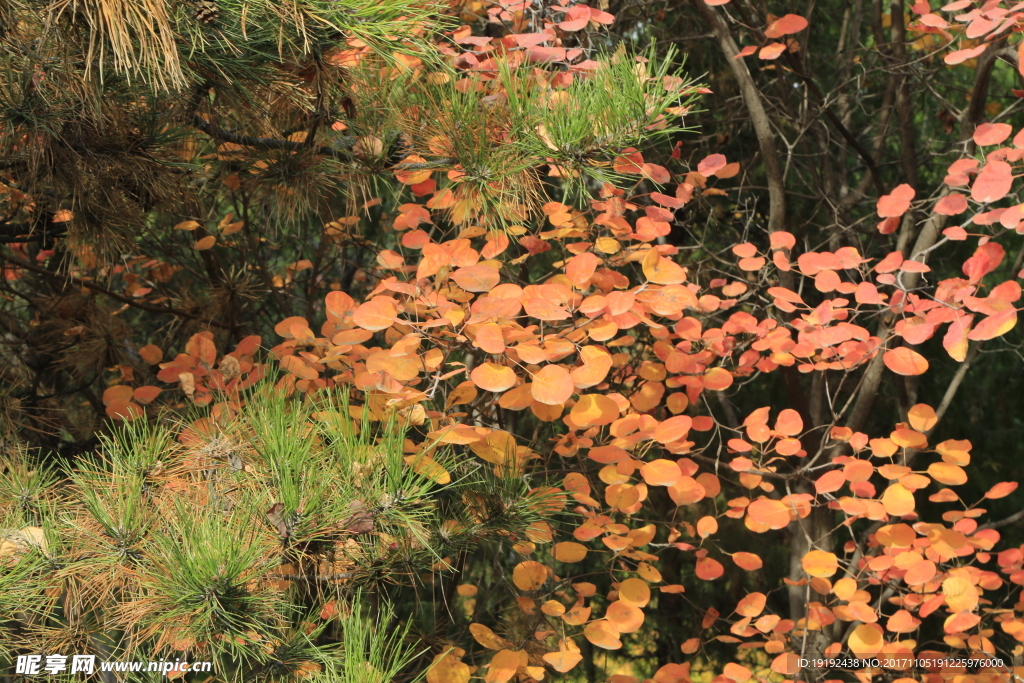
[
  {"x": 13, "y": 260},
  {"x": 215, "y": 131}
]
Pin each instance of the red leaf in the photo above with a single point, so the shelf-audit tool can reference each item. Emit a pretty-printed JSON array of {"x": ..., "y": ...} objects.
[
  {"x": 579, "y": 17},
  {"x": 960, "y": 56},
  {"x": 904, "y": 361},
  {"x": 952, "y": 204},
  {"x": 791, "y": 23},
  {"x": 146, "y": 394},
  {"x": 986, "y": 258},
  {"x": 709, "y": 569},
  {"x": 994, "y": 325},
  {"x": 710, "y": 164},
  {"x": 897, "y": 202},
  {"x": 992, "y": 133},
  {"x": 993, "y": 183},
  {"x": 771, "y": 51},
  {"x": 118, "y": 394}
]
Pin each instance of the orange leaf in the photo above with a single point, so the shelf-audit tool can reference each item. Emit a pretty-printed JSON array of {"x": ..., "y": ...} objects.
[
  {"x": 580, "y": 268},
  {"x": 710, "y": 164},
  {"x": 945, "y": 473},
  {"x": 672, "y": 429},
  {"x": 661, "y": 472},
  {"x": 920, "y": 573},
  {"x": 544, "y": 309},
  {"x": 1002, "y": 490},
  {"x": 569, "y": 552},
  {"x": 747, "y": 561},
  {"x": 493, "y": 377},
  {"x": 988, "y": 134},
  {"x": 146, "y": 394},
  {"x": 124, "y": 410},
  {"x": 706, "y": 526},
  {"x": 338, "y": 304},
  {"x": 596, "y": 364},
  {"x": 376, "y": 314},
  {"x": 833, "y": 480},
  {"x": 902, "y": 621},
  {"x": 905, "y": 361},
  {"x": 960, "y": 56},
  {"x": 773, "y": 514},
  {"x": 477, "y": 278},
  {"x": 709, "y": 569},
  {"x": 462, "y": 394},
  {"x": 791, "y": 23},
  {"x": 635, "y": 591},
  {"x": 593, "y": 410},
  {"x": 552, "y": 385},
  {"x": 717, "y": 379},
  {"x": 151, "y": 353},
  {"x": 489, "y": 338},
  {"x": 119, "y": 393},
  {"x": 299, "y": 367},
  {"x": 789, "y": 423},
  {"x": 751, "y": 605},
  {"x": 898, "y": 500},
  {"x": 787, "y": 664},
  {"x": 603, "y": 635},
  {"x": 737, "y": 672},
  {"x": 205, "y": 243},
  {"x": 866, "y": 640},
  {"x": 625, "y": 616},
  {"x": 446, "y": 668},
  {"x": 529, "y": 575},
  {"x": 922, "y": 417},
  {"x": 820, "y": 563},
  {"x": 503, "y": 666},
  {"x": 994, "y": 325},
  {"x": 771, "y": 51},
  {"x": 562, "y": 661},
  {"x": 961, "y": 621},
  {"x": 661, "y": 270}
]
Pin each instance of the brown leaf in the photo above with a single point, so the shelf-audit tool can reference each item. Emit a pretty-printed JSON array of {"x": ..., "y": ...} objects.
[
  {"x": 276, "y": 516},
  {"x": 361, "y": 521}
]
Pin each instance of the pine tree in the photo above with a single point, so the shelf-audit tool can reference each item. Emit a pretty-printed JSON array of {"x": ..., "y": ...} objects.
[{"x": 266, "y": 543}]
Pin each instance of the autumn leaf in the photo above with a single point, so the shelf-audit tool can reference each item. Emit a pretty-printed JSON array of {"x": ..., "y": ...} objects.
[
  {"x": 552, "y": 385},
  {"x": 993, "y": 182},
  {"x": 897, "y": 202},
  {"x": 820, "y": 563},
  {"x": 662, "y": 271},
  {"x": 493, "y": 377},
  {"x": 905, "y": 361},
  {"x": 790, "y": 23}
]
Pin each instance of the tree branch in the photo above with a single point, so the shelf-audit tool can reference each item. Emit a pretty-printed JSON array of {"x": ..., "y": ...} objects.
[
  {"x": 215, "y": 131},
  {"x": 759, "y": 119},
  {"x": 999, "y": 524},
  {"x": 103, "y": 290}
]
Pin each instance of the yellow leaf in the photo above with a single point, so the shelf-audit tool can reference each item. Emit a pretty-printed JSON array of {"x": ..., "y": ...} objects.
[
  {"x": 529, "y": 575},
  {"x": 570, "y": 552},
  {"x": 820, "y": 563}
]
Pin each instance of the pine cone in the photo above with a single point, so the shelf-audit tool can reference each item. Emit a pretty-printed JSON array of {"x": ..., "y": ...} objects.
[{"x": 206, "y": 11}]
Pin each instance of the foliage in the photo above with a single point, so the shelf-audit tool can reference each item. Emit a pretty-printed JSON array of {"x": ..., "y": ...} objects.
[
  {"x": 244, "y": 540},
  {"x": 490, "y": 292}
]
